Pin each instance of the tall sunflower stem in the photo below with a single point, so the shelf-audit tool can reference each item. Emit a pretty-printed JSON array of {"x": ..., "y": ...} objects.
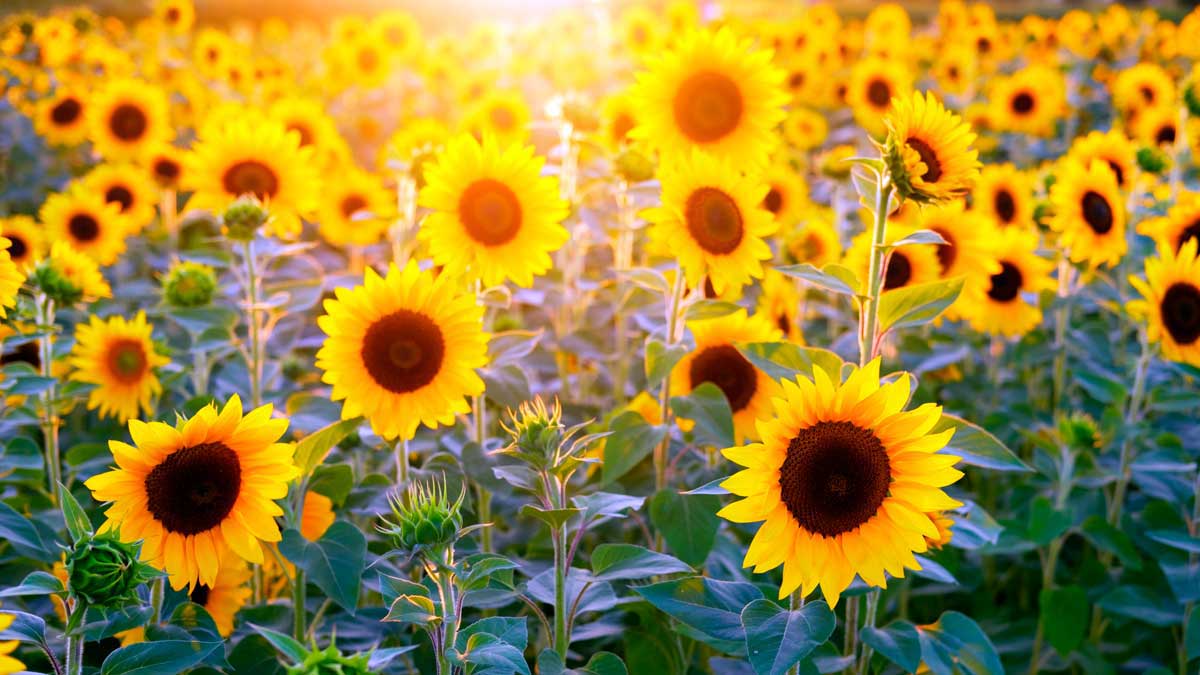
[
  {"x": 402, "y": 467},
  {"x": 50, "y": 419},
  {"x": 253, "y": 324},
  {"x": 299, "y": 612},
  {"x": 869, "y": 319},
  {"x": 561, "y": 610},
  {"x": 1062, "y": 318},
  {"x": 406, "y": 203},
  {"x": 850, "y": 647},
  {"x": 74, "y": 660},
  {"x": 795, "y": 603},
  {"x": 157, "y": 592},
  {"x": 622, "y": 261},
  {"x": 1132, "y": 416},
  {"x": 479, "y": 411},
  {"x": 864, "y": 660},
  {"x": 673, "y": 310},
  {"x": 446, "y": 591}
]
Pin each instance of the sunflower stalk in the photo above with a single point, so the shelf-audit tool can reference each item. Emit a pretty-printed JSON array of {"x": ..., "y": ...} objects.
[
  {"x": 1062, "y": 318},
  {"x": 402, "y": 231},
  {"x": 50, "y": 419},
  {"x": 864, "y": 660},
  {"x": 1062, "y": 492},
  {"x": 74, "y": 659},
  {"x": 674, "y": 307},
  {"x": 157, "y": 591},
  {"x": 255, "y": 368},
  {"x": 622, "y": 261},
  {"x": 869, "y": 316}
]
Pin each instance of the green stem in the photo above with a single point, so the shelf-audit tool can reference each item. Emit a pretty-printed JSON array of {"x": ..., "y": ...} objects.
[
  {"x": 50, "y": 419},
  {"x": 74, "y": 660},
  {"x": 445, "y": 583},
  {"x": 402, "y": 467},
  {"x": 864, "y": 661},
  {"x": 1049, "y": 563},
  {"x": 869, "y": 319},
  {"x": 664, "y": 399},
  {"x": 300, "y": 613},
  {"x": 1132, "y": 416},
  {"x": 256, "y": 369},
  {"x": 157, "y": 591},
  {"x": 850, "y": 647},
  {"x": 479, "y": 411},
  {"x": 1062, "y": 318},
  {"x": 560, "y": 591},
  {"x": 795, "y": 603},
  {"x": 622, "y": 261}
]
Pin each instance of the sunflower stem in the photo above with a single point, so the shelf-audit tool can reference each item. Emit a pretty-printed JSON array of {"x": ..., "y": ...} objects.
[
  {"x": 795, "y": 603},
  {"x": 157, "y": 591},
  {"x": 664, "y": 399},
  {"x": 851, "y": 644},
  {"x": 406, "y": 201},
  {"x": 50, "y": 419},
  {"x": 300, "y": 614},
  {"x": 74, "y": 660},
  {"x": 560, "y": 591},
  {"x": 1062, "y": 318},
  {"x": 869, "y": 318},
  {"x": 622, "y": 261},
  {"x": 445, "y": 584},
  {"x": 864, "y": 661},
  {"x": 402, "y": 467},
  {"x": 478, "y": 412},
  {"x": 253, "y": 324}
]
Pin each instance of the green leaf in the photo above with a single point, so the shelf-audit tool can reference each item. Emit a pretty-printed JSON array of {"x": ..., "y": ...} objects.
[
  {"x": 475, "y": 570},
  {"x": 511, "y": 630},
  {"x": 334, "y": 562},
  {"x": 787, "y": 360},
  {"x": 631, "y": 441},
  {"x": 1065, "y": 617},
  {"x": 497, "y": 656},
  {"x": 417, "y": 610},
  {"x": 26, "y": 628},
  {"x": 555, "y": 518},
  {"x": 1176, "y": 539},
  {"x": 1108, "y": 538},
  {"x": 955, "y": 644},
  {"x": 832, "y": 277},
  {"x": 78, "y": 525},
  {"x": 629, "y": 561},
  {"x": 1045, "y": 522},
  {"x": 607, "y": 504},
  {"x": 921, "y": 237},
  {"x": 709, "y": 606},
  {"x": 603, "y": 663},
  {"x": 1142, "y": 604},
  {"x": 688, "y": 522},
  {"x": 311, "y": 449},
  {"x": 709, "y": 409},
  {"x": 776, "y": 638},
  {"x": 334, "y": 481},
  {"x": 1191, "y": 638},
  {"x": 22, "y": 534},
  {"x": 159, "y": 657},
  {"x": 509, "y": 347},
  {"x": 898, "y": 642},
  {"x": 917, "y": 304},
  {"x": 35, "y": 583},
  {"x": 977, "y": 447},
  {"x": 660, "y": 359},
  {"x": 287, "y": 646},
  {"x": 710, "y": 309}
]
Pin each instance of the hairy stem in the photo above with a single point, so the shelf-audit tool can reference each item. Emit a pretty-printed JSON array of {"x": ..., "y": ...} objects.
[{"x": 868, "y": 339}]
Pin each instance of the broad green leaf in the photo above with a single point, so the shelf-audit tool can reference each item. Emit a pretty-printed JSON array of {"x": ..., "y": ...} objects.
[
  {"x": 710, "y": 309},
  {"x": 417, "y": 610},
  {"x": 18, "y": 531},
  {"x": 1045, "y": 522},
  {"x": 285, "y": 644},
  {"x": 631, "y": 441},
  {"x": 311, "y": 449},
  {"x": 555, "y": 518},
  {"x": 1065, "y": 615},
  {"x": 158, "y": 657},
  {"x": 708, "y": 408},
  {"x": 776, "y": 638},
  {"x": 1176, "y": 539},
  {"x": 603, "y": 663},
  {"x": 688, "y": 522},
  {"x": 917, "y": 304},
  {"x": 1142, "y": 604},
  {"x": 509, "y": 347},
  {"x": 335, "y": 562},
  {"x": 78, "y": 525},
  {"x": 26, "y": 628},
  {"x": 1191, "y": 638},
  {"x": 607, "y": 504},
  {"x": 898, "y": 642},
  {"x": 334, "y": 481},
  {"x": 511, "y": 630},
  {"x": 611, "y": 562},
  {"x": 35, "y": 583},
  {"x": 787, "y": 360},
  {"x": 977, "y": 447},
  {"x": 921, "y": 237},
  {"x": 955, "y": 644},
  {"x": 489, "y": 651},
  {"x": 474, "y": 570},
  {"x": 707, "y": 605},
  {"x": 1108, "y": 538},
  {"x": 832, "y": 277},
  {"x": 660, "y": 359}
]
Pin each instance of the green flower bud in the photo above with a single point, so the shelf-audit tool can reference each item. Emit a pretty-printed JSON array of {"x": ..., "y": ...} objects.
[
  {"x": 105, "y": 572},
  {"x": 537, "y": 432},
  {"x": 634, "y": 167},
  {"x": 1152, "y": 160},
  {"x": 56, "y": 285},
  {"x": 330, "y": 661},
  {"x": 1079, "y": 431},
  {"x": 424, "y": 518},
  {"x": 243, "y": 218},
  {"x": 189, "y": 284}
]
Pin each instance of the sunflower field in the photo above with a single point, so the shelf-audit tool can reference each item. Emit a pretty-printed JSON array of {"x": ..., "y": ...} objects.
[{"x": 611, "y": 338}]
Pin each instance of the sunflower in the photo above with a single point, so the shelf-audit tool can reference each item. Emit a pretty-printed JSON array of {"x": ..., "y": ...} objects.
[
  {"x": 805, "y": 128},
  {"x": 618, "y": 117},
  {"x": 640, "y": 31},
  {"x": 966, "y": 254},
  {"x": 62, "y": 118},
  {"x": 77, "y": 269},
  {"x": 1089, "y": 213},
  {"x": 403, "y": 350},
  {"x": 27, "y": 242},
  {"x": 874, "y": 82},
  {"x": 1030, "y": 101},
  {"x": 165, "y": 163},
  {"x": 11, "y": 278},
  {"x": 307, "y": 117},
  {"x": 254, "y": 156},
  {"x": 1142, "y": 86},
  {"x": 1112, "y": 147},
  {"x": 714, "y": 92},
  {"x": 228, "y": 593},
  {"x": 1006, "y": 194},
  {"x": 211, "y": 51},
  {"x": 1157, "y": 126},
  {"x": 400, "y": 33},
  {"x": 787, "y": 193},
  {"x": 845, "y": 479},
  {"x": 1007, "y": 303},
  {"x": 1170, "y": 301},
  {"x": 929, "y": 151},
  {"x": 200, "y": 490},
  {"x": 126, "y": 117},
  {"x": 502, "y": 114},
  {"x": 1180, "y": 225},
  {"x": 129, "y": 187},
  {"x": 415, "y": 138},
  {"x": 905, "y": 266},
  {"x": 118, "y": 357},
  {"x": 177, "y": 16},
  {"x": 955, "y": 69},
  {"x": 90, "y": 224},
  {"x": 814, "y": 241},
  {"x": 494, "y": 216},
  {"x": 355, "y": 209},
  {"x": 780, "y": 300},
  {"x": 716, "y": 359},
  {"x": 712, "y": 220},
  {"x": 363, "y": 60}
]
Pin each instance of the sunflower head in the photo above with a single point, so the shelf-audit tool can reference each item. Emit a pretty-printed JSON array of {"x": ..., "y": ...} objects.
[
  {"x": 103, "y": 571},
  {"x": 536, "y": 430},
  {"x": 424, "y": 518},
  {"x": 244, "y": 217},
  {"x": 189, "y": 284},
  {"x": 67, "y": 276},
  {"x": 928, "y": 150},
  {"x": 1170, "y": 302}
]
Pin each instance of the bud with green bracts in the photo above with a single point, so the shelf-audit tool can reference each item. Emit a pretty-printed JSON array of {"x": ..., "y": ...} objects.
[
  {"x": 330, "y": 661},
  {"x": 243, "y": 218},
  {"x": 537, "y": 433},
  {"x": 103, "y": 571},
  {"x": 424, "y": 518},
  {"x": 189, "y": 284},
  {"x": 55, "y": 284}
]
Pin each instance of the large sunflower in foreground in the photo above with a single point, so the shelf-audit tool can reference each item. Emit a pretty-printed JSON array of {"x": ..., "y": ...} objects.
[
  {"x": 118, "y": 357},
  {"x": 126, "y": 117},
  {"x": 227, "y": 594},
  {"x": 1170, "y": 301},
  {"x": 714, "y": 92},
  {"x": 712, "y": 221},
  {"x": 716, "y": 359},
  {"x": 11, "y": 278},
  {"x": 846, "y": 481},
  {"x": 84, "y": 219},
  {"x": 1089, "y": 213},
  {"x": 196, "y": 491},
  {"x": 1005, "y": 193},
  {"x": 495, "y": 217},
  {"x": 403, "y": 350},
  {"x": 929, "y": 150},
  {"x": 1007, "y": 303},
  {"x": 255, "y": 156}
]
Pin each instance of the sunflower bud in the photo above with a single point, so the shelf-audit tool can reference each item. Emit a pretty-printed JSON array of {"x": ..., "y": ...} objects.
[
  {"x": 55, "y": 284},
  {"x": 633, "y": 166},
  {"x": 1152, "y": 160},
  {"x": 537, "y": 433},
  {"x": 243, "y": 218},
  {"x": 102, "y": 571},
  {"x": 330, "y": 661},
  {"x": 424, "y": 518},
  {"x": 189, "y": 284},
  {"x": 1080, "y": 432}
]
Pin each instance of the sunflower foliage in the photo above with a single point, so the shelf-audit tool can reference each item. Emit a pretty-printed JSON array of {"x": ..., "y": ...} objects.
[{"x": 647, "y": 337}]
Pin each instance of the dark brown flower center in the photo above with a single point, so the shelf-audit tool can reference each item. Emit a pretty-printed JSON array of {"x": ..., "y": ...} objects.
[
  {"x": 83, "y": 227},
  {"x": 128, "y": 122},
  {"x": 1006, "y": 285},
  {"x": 199, "y": 594},
  {"x": 784, "y": 323},
  {"x": 1187, "y": 234},
  {"x": 1097, "y": 212},
  {"x": 194, "y": 488},
  {"x": 403, "y": 351},
  {"x": 1147, "y": 94},
  {"x": 367, "y": 59},
  {"x": 306, "y": 134},
  {"x": 66, "y": 111},
  {"x": 166, "y": 170},
  {"x": 708, "y": 106},
  {"x": 714, "y": 220},
  {"x": 490, "y": 212},
  {"x": 1181, "y": 312},
  {"x": 773, "y": 202},
  {"x": 503, "y": 118},
  {"x": 1005, "y": 206},
  {"x": 17, "y": 247},
  {"x": 352, "y": 204},
  {"x": 933, "y": 167},
  {"x": 898, "y": 272},
  {"x": 26, "y": 352},
  {"x": 1117, "y": 171},
  {"x": 725, "y": 367},
  {"x": 622, "y": 125},
  {"x": 127, "y": 361},
  {"x": 879, "y": 93},
  {"x": 119, "y": 194},
  {"x": 834, "y": 478},
  {"x": 1165, "y": 134},
  {"x": 251, "y": 177},
  {"x": 946, "y": 253},
  {"x": 1023, "y": 103}
]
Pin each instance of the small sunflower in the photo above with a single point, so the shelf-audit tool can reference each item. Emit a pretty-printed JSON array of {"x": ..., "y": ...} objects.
[
  {"x": 712, "y": 221},
  {"x": 1157, "y": 126},
  {"x": 1141, "y": 86},
  {"x": 118, "y": 357},
  {"x": 1007, "y": 304},
  {"x": 355, "y": 208},
  {"x": 502, "y": 114},
  {"x": 494, "y": 216},
  {"x": 640, "y": 31},
  {"x": 254, "y": 156},
  {"x": 1030, "y": 101},
  {"x": 165, "y": 163},
  {"x": 177, "y": 16},
  {"x": 413, "y": 140},
  {"x": 904, "y": 266},
  {"x": 1180, "y": 225},
  {"x": 62, "y": 118},
  {"x": 77, "y": 270},
  {"x": 128, "y": 186},
  {"x": 845, "y": 479},
  {"x": 200, "y": 490},
  {"x": 400, "y": 33},
  {"x": 1006, "y": 194},
  {"x": 11, "y": 278},
  {"x": 780, "y": 300},
  {"x": 8, "y": 663},
  {"x": 874, "y": 82},
  {"x": 307, "y": 117},
  {"x": 84, "y": 219},
  {"x": 716, "y": 359},
  {"x": 27, "y": 241},
  {"x": 619, "y": 117},
  {"x": 126, "y": 117},
  {"x": 1170, "y": 301},
  {"x": 403, "y": 350},
  {"x": 815, "y": 241},
  {"x": 805, "y": 128},
  {"x": 966, "y": 253},
  {"x": 787, "y": 194},
  {"x": 228, "y": 593},
  {"x": 1089, "y": 213},
  {"x": 711, "y": 91},
  {"x": 929, "y": 150}
]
